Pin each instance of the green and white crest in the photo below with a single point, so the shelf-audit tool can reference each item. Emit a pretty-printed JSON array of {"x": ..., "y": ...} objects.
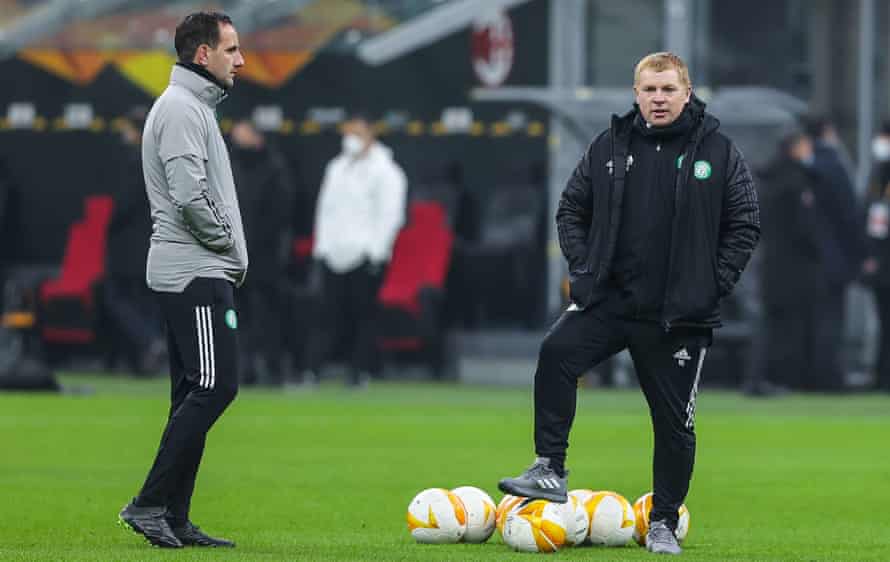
[
  {"x": 702, "y": 169},
  {"x": 231, "y": 319}
]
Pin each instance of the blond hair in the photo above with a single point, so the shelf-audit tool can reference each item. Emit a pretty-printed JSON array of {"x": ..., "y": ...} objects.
[{"x": 659, "y": 62}]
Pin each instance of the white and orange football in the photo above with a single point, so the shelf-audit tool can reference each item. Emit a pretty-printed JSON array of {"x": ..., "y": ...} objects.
[
  {"x": 577, "y": 521},
  {"x": 643, "y": 506},
  {"x": 480, "y": 510},
  {"x": 507, "y": 503},
  {"x": 437, "y": 516},
  {"x": 612, "y": 519},
  {"x": 536, "y": 526}
]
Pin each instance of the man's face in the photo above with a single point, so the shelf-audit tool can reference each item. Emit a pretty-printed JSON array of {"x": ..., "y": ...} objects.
[
  {"x": 661, "y": 96},
  {"x": 224, "y": 61},
  {"x": 246, "y": 136},
  {"x": 130, "y": 134},
  {"x": 802, "y": 149},
  {"x": 359, "y": 128}
]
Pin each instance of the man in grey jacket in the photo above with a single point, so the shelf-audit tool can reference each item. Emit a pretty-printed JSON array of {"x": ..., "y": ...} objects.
[{"x": 197, "y": 255}]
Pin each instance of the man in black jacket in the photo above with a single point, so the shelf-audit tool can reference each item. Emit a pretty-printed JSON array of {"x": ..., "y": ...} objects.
[
  {"x": 265, "y": 193},
  {"x": 657, "y": 223},
  {"x": 134, "y": 325},
  {"x": 844, "y": 247},
  {"x": 795, "y": 274}
]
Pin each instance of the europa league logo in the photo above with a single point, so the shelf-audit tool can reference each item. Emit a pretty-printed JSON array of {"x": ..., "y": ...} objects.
[{"x": 492, "y": 48}]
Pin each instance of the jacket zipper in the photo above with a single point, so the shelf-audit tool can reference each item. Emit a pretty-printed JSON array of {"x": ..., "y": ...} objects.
[
  {"x": 682, "y": 179},
  {"x": 604, "y": 239},
  {"x": 647, "y": 250}
]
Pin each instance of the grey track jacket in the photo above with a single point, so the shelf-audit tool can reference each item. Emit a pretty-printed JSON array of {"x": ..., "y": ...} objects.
[{"x": 197, "y": 230}]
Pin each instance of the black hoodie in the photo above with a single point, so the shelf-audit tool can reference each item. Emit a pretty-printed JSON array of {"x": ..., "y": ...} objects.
[{"x": 714, "y": 227}]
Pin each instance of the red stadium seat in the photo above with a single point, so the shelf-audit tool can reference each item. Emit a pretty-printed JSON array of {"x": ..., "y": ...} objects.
[
  {"x": 68, "y": 301},
  {"x": 412, "y": 293}
]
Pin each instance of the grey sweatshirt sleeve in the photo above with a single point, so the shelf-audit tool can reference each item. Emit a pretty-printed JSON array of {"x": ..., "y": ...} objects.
[
  {"x": 182, "y": 146},
  {"x": 187, "y": 178}
]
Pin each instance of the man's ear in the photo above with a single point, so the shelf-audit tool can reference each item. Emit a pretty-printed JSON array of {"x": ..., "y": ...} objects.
[{"x": 201, "y": 55}]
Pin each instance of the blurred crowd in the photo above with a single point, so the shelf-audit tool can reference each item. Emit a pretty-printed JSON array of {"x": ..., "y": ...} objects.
[
  {"x": 820, "y": 236},
  {"x": 312, "y": 299}
]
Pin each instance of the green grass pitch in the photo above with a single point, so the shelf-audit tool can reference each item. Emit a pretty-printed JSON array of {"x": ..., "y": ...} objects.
[{"x": 328, "y": 475}]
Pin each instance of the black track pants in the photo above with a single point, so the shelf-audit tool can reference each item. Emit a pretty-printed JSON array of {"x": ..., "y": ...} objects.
[
  {"x": 668, "y": 365},
  {"x": 348, "y": 311},
  {"x": 202, "y": 342}
]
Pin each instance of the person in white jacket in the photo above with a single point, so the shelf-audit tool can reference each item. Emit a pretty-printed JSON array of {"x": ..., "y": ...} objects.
[{"x": 361, "y": 207}]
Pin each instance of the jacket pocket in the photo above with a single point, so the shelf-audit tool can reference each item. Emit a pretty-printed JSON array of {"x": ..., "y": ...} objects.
[{"x": 695, "y": 294}]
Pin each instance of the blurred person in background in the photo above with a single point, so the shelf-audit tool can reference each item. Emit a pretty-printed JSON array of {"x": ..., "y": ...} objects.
[
  {"x": 5, "y": 181},
  {"x": 196, "y": 256},
  {"x": 360, "y": 209},
  {"x": 799, "y": 333},
  {"x": 5, "y": 197},
  {"x": 877, "y": 265},
  {"x": 135, "y": 326},
  {"x": 657, "y": 222},
  {"x": 828, "y": 149},
  {"x": 265, "y": 193},
  {"x": 845, "y": 252}
]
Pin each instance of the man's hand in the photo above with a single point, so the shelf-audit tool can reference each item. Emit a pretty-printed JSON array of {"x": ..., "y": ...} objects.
[{"x": 581, "y": 289}]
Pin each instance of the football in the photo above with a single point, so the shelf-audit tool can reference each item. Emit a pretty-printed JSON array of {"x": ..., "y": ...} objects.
[
  {"x": 611, "y": 519},
  {"x": 643, "y": 506},
  {"x": 577, "y": 522},
  {"x": 507, "y": 503},
  {"x": 480, "y": 511},
  {"x": 536, "y": 526},
  {"x": 437, "y": 516}
]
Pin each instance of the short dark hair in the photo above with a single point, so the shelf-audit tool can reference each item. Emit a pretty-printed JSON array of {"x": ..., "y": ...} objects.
[
  {"x": 136, "y": 116},
  {"x": 200, "y": 28}
]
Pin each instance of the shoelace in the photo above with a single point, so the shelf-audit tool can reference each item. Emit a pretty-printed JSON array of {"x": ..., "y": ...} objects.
[{"x": 538, "y": 469}]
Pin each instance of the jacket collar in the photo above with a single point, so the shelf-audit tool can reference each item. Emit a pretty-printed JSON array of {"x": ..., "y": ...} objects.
[
  {"x": 708, "y": 123},
  {"x": 199, "y": 82}
]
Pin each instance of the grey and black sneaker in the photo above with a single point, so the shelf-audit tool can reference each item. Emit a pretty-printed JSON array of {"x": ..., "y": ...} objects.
[
  {"x": 151, "y": 523},
  {"x": 661, "y": 539},
  {"x": 191, "y": 535},
  {"x": 539, "y": 481}
]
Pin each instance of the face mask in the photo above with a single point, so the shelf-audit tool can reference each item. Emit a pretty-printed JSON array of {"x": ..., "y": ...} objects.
[
  {"x": 808, "y": 160},
  {"x": 880, "y": 148},
  {"x": 352, "y": 144}
]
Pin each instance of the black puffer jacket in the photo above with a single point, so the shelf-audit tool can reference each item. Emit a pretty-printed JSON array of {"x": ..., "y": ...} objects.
[{"x": 715, "y": 228}]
